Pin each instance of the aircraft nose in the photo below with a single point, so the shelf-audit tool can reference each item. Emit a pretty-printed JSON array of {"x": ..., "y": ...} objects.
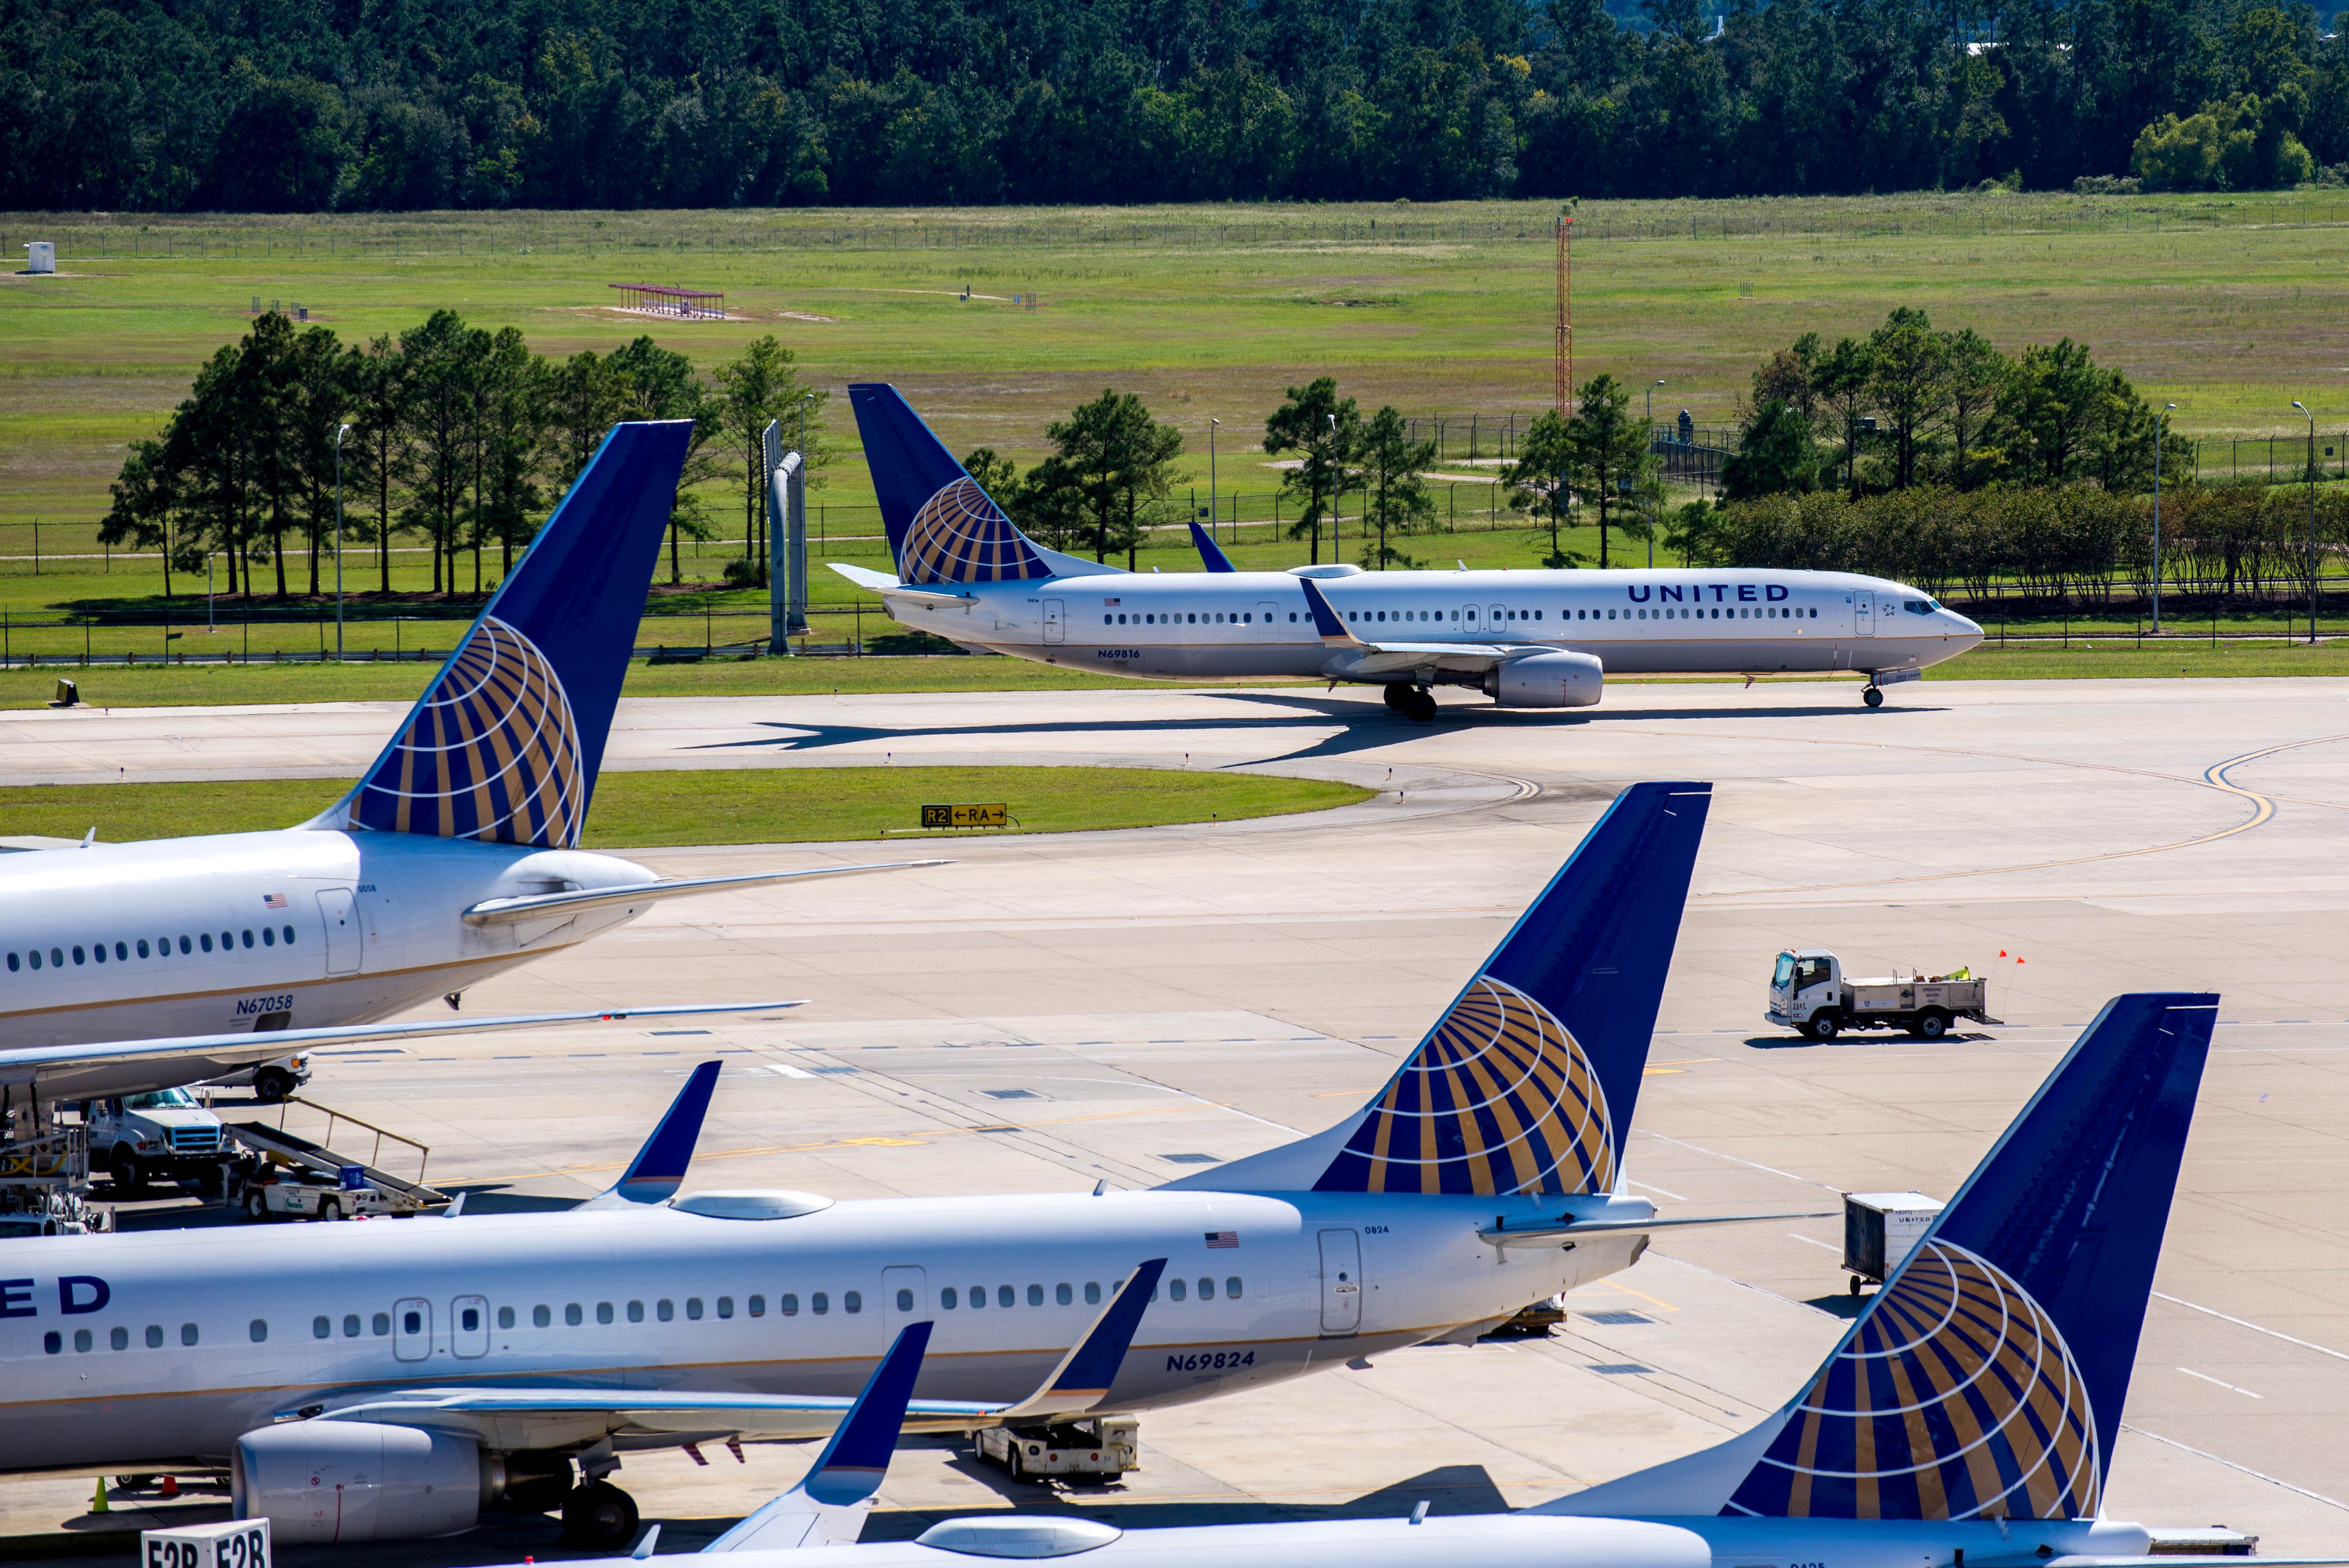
[{"x": 1969, "y": 631}]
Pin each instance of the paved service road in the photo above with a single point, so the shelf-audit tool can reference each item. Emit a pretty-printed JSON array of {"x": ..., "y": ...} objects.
[{"x": 1115, "y": 999}]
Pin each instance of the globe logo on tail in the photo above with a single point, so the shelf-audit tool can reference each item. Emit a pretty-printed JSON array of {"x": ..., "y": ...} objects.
[
  {"x": 1500, "y": 1098},
  {"x": 491, "y": 753},
  {"x": 960, "y": 536},
  {"x": 1955, "y": 1398}
]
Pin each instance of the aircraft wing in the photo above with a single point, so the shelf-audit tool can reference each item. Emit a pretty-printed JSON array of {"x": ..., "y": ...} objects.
[
  {"x": 546, "y": 905},
  {"x": 512, "y": 1418},
  {"x": 1355, "y": 657},
  {"x": 104, "y": 1069}
]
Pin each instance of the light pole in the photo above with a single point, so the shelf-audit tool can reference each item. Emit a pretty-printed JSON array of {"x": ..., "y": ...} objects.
[
  {"x": 2158, "y": 436},
  {"x": 1651, "y": 403},
  {"x": 340, "y": 431},
  {"x": 1214, "y": 515},
  {"x": 1336, "y": 546},
  {"x": 2312, "y": 519}
]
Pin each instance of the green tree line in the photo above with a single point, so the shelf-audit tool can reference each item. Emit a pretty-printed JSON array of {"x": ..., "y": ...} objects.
[
  {"x": 1908, "y": 405},
  {"x": 359, "y": 105},
  {"x": 2075, "y": 541},
  {"x": 451, "y": 435}
]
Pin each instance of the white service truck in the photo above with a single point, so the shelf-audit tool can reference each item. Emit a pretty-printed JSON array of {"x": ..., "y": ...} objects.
[
  {"x": 1099, "y": 1449},
  {"x": 164, "y": 1135},
  {"x": 1810, "y": 995}
]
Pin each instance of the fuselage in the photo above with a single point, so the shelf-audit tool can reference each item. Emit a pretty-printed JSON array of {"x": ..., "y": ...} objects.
[
  {"x": 290, "y": 929},
  {"x": 1206, "y": 627},
  {"x": 1529, "y": 1541},
  {"x": 160, "y": 1347}
]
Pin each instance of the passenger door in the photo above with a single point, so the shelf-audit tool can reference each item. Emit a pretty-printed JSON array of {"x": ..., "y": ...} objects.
[
  {"x": 1468, "y": 622},
  {"x": 1495, "y": 618},
  {"x": 1268, "y": 613},
  {"x": 411, "y": 1328},
  {"x": 1863, "y": 613},
  {"x": 343, "y": 944},
  {"x": 1056, "y": 613},
  {"x": 468, "y": 1326},
  {"x": 1341, "y": 1282},
  {"x": 905, "y": 1299}
]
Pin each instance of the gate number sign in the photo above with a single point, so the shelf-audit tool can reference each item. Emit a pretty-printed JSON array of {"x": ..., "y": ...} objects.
[
  {"x": 230, "y": 1544},
  {"x": 995, "y": 816}
]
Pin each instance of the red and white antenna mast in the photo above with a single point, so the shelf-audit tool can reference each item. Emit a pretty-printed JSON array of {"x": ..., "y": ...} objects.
[{"x": 1565, "y": 348}]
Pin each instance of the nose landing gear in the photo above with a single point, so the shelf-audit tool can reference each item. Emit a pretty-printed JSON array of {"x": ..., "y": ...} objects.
[{"x": 1873, "y": 696}]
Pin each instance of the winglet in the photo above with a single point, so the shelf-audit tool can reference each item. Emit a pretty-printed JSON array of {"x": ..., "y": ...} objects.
[
  {"x": 1211, "y": 554},
  {"x": 1083, "y": 1377},
  {"x": 829, "y": 1505},
  {"x": 658, "y": 1169},
  {"x": 1326, "y": 621}
]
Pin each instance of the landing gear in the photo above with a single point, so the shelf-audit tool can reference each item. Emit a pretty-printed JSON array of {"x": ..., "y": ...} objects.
[
  {"x": 1415, "y": 703},
  {"x": 599, "y": 1514},
  {"x": 1873, "y": 696}
]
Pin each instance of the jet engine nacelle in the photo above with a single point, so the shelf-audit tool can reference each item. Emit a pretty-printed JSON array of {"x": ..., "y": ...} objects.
[
  {"x": 1547, "y": 680},
  {"x": 360, "y": 1480}
]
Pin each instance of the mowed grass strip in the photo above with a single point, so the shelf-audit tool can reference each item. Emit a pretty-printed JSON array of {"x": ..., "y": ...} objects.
[
  {"x": 2120, "y": 658},
  {"x": 729, "y": 806}
]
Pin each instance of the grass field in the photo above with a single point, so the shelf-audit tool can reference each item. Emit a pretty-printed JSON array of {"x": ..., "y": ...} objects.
[
  {"x": 732, "y": 806},
  {"x": 2226, "y": 306}
]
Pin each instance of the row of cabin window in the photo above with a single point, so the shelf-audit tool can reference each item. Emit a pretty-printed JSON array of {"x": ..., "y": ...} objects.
[
  {"x": 1213, "y": 618},
  {"x": 1734, "y": 613},
  {"x": 54, "y": 1342},
  {"x": 161, "y": 949}
]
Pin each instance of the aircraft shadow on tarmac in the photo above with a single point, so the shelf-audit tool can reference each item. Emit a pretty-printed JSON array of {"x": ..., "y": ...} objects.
[
  {"x": 1448, "y": 1489},
  {"x": 1362, "y": 726}
]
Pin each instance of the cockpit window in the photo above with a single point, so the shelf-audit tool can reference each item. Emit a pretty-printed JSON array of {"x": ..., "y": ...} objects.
[{"x": 1920, "y": 606}]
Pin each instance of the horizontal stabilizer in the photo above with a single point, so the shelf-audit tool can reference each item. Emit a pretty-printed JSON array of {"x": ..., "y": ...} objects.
[
  {"x": 134, "y": 1067},
  {"x": 546, "y": 906},
  {"x": 1536, "y": 1232}
]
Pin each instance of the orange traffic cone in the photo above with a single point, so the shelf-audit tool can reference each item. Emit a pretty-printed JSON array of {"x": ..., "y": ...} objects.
[{"x": 170, "y": 1488}]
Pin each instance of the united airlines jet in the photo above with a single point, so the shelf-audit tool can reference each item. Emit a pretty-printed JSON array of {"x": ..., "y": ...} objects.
[
  {"x": 1970, "y": 1411},
  {"x": 1526, "y": 639},
  {"x": 1486, "y": 1175},
  {"x": 456, "y": 857}
]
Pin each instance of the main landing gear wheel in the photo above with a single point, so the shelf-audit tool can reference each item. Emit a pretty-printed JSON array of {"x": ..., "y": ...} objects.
[
  {"x": 1419, "y": 704},
  {"x": 1873, "y": 696},
  {"x": 1393, "y": 695},
  {"x": 599, "y": 1514}
]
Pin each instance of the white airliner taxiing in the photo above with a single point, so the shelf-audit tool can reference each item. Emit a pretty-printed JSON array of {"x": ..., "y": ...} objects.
[
  {"x": 455, "y": 857},
  {"x": 1527, "y": 639},
  {"x": 1485, "y": 1176},
  {"x": 1968, "y": 1415}
]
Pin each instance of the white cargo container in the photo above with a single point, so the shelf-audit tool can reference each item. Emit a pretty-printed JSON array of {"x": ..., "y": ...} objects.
[{"x": 1880, "y": 1229}]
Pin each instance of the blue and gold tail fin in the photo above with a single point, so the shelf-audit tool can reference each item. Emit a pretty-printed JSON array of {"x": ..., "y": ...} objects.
[
  {"x": 1985, "y": 1380},
  {"x": 1527, "y": 1083},
  {"x": 943, "y": 527},
  {"x": 504, "y": 745}
]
